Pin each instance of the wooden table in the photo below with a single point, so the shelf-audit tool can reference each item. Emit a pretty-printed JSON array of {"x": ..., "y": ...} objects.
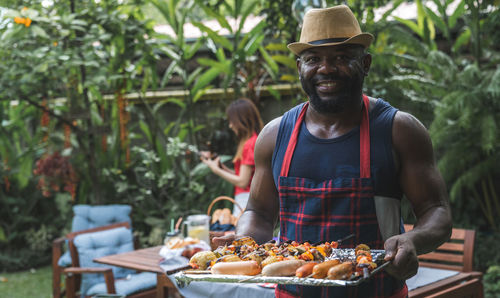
[
  {"x": 147, "y": 260},
  {"x": 464, "y": 284}
]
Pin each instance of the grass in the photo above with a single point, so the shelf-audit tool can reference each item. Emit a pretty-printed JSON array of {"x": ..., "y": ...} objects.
[{"x": 35, "y": 283}]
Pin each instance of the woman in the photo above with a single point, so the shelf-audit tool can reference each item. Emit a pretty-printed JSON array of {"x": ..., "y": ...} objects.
[{"x": 244, "y": 119}]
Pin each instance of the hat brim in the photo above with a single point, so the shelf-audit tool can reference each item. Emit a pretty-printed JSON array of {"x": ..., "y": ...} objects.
[{"x": 364, "y": 39}]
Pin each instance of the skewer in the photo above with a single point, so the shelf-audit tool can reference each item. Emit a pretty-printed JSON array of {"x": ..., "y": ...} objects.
[
  {"x": 345, "y": 238},
  {"x": 338, "y": 241},
  {"x": 310, "y": 275},
  {"x": 198, "y": 272},
  {"x": 172, "y": 271},
  {"x": 250, "y": 278}
]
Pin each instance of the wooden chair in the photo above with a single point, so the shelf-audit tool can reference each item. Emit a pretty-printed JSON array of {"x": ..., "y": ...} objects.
[
  {"x": 456, "y": 254},
  {"x": 85, "y": 217},
  {"x": 73, "y": 273}
]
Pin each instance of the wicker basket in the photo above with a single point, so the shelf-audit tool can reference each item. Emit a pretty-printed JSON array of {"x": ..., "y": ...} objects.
[{"x": 209, "y": 213}]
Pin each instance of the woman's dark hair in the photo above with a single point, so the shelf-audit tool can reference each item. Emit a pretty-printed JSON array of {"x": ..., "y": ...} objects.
[{"x": 245, "y": 118}]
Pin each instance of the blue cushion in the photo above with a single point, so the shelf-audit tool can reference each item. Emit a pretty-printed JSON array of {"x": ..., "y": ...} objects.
[
  {"x": 136, "y": 282},
  {"x": 65, "y": 259},
  {"x": 99, "y": 244},
  {"x": 88, "y": 217}
]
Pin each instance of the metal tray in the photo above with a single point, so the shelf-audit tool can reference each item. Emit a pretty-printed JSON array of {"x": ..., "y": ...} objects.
[{"x": 184, "y": 278}]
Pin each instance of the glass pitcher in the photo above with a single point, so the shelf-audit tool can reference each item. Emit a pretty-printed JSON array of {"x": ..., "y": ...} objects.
[{"x": 197, "y": 226}]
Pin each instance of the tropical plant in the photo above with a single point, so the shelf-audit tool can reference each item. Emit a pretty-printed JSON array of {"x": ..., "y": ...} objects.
[
  {"x": 180, "y": 52},
  {"x": 463, "y": 94},
  {"x": 24, "y": 210},
  {"x": 466, "y": 121},
  {"x": 58, "y": 60},
  {"x": 243, "y": 66},
  {"x": 78, "y": 51},
  {"x": 492, "y": 282}
]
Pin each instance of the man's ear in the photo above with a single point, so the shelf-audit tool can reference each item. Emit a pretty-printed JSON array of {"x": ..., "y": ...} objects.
[
  {"x": 298, "y": 65},
  {"x": 367, "y": 62}
]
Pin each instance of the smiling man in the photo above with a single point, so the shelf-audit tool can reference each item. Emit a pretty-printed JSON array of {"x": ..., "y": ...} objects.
[{"x": 340, "y": 164}]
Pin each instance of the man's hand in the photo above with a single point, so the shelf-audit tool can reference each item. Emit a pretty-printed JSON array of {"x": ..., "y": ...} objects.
[
  {"x": 224, "y": 240},
  {"x": 401, "y": 251}
]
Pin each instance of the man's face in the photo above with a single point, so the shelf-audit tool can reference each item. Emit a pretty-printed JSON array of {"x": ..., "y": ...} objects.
[{"x": 333, "y": 76}]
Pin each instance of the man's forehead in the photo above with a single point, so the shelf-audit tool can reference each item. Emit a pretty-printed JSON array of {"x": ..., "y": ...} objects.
[{"x": 354, "y": 48}]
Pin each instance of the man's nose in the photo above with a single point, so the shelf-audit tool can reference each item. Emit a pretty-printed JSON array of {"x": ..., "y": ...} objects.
[{"x": 327, "y": 66}]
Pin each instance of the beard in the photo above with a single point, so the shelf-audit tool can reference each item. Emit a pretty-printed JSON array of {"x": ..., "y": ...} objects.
[{"x": 346, "y": 95}]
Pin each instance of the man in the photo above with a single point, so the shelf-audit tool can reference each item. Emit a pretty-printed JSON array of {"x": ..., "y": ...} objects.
[{"x": 340, "y": 164}]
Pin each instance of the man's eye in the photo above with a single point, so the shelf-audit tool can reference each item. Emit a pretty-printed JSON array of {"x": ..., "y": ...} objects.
[{"x": 311, "y": 59}]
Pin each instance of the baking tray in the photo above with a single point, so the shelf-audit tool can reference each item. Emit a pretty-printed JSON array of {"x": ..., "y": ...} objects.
[{"x": 184, "y": 278}]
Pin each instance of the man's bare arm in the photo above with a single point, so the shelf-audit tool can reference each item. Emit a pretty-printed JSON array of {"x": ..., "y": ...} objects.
[
  {"x": 261, "y": 214},
  {"x": 424, "y": 187}
]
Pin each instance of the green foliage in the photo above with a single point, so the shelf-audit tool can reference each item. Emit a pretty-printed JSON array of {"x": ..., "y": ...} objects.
[
  {"x": 236, "y": 54},
  {"x": 459, "y": 96},
  {"x": 176, "y": 14},
  {"x": 466, "y": 122},
  {"x": 78, "y": 51},
  {"x": 492, "y": 282},
  {"x": 165, "y": 185}
]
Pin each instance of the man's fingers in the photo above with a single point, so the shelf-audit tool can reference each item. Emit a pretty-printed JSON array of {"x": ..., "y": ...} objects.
[
  {"x": 391, "y": 247},
  {"x": 223, "y": 240}
]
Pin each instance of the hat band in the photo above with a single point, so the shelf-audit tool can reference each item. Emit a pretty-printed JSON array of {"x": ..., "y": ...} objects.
[{"x": 328, "y": 40}]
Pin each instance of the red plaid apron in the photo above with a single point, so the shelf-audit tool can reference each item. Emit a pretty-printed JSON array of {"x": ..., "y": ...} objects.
[{"x": 330, "y": 210}]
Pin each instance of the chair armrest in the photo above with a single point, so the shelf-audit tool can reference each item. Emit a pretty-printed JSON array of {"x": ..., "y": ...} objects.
[
  {"x": 57, "y": 249},
  {"x": 108, "y": 276},
  {"x": 80, "y": 270}
]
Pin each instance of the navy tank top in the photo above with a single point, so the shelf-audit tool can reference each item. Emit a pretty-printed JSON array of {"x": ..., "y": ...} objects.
[{"x": 324, "y": 159}]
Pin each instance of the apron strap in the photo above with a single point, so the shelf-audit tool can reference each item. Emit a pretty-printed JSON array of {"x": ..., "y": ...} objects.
[
  {"x": 364, "y": 141},
  {"x": 287, "y": 160}
]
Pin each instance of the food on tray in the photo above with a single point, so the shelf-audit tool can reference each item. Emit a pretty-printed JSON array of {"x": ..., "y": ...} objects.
[
  {"x": 305, "y": 270},
  {"x": 201, "y": 260},
  {"x": 236, "y": 268},
  {"x": 282, "y": 268},
  {"x": 341, "y": 271},
  {"x": 364, "y": 260},
  {"x": 245, "y": 257},
  {"x": 321, "y": 269},
  {"x": 271, "y": 259}
]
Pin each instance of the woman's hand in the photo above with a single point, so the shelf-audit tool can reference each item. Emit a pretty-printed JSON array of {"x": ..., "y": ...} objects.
[{"x": 211, "y": 163}]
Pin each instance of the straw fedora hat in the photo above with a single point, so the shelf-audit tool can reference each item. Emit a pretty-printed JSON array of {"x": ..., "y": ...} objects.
[{"x": 328, "y": 27}]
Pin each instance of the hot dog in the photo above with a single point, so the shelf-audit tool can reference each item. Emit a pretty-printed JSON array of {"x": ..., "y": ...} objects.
[
  {"x": 321, "y": 270},
  {"x": 341, "y": 271},
  {"x": 282, "y": 268},
  {"x": 305, "y": 270},
  {"x": 236, "y": 268}
]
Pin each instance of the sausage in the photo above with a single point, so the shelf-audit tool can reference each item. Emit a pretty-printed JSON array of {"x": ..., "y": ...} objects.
[
  {"x": 321, "y": 270},
  {"x": 305, "y": 270},
  {"x": 341, "y": 271},
  {"x": 282, "y": 268},
  {"x": 236, "y": 268}
]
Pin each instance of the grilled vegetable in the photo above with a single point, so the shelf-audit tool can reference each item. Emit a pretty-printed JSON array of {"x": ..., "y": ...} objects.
[{"x": 201, "y": 260}]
